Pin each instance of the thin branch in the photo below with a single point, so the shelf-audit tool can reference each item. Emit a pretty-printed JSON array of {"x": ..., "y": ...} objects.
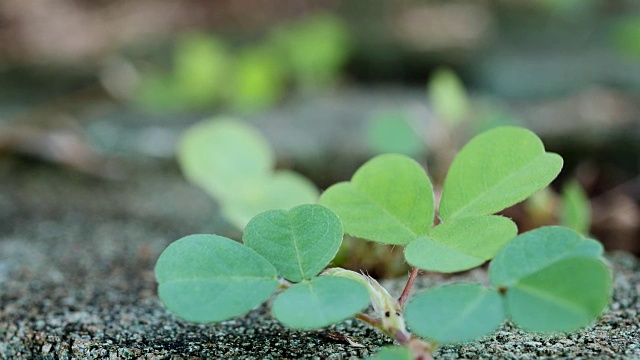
[{"x": 407, "y": 288}]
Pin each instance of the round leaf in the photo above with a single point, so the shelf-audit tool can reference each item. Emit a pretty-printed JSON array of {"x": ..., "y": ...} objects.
[
  {"x": 537, "y": 249},
  {"x": 564, "y": 296},
  {"x": 282, "y": 190},
  {"x": 460, "y": 244},
  {"x": 455, "y": 313},
  {"x": 553, "y": 278},
  {"x": 495, "y": 170},
  {"x": 389, "y": 200},
  {"x": 218, "y": 155},
  {"x": 299, "y": 242},
  {"x": 320, "y": 302},
  {"x": 209, "y": 278}
]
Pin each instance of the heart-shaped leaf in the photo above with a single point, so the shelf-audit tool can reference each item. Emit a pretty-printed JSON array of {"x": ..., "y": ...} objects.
[
  {"x": 282, "y": 190},
  {"x": 460, "y": 244},
  {"x": 455, "y": 313},
  {"x": 320, "y": 302},
  {"x": 299, "y": 242},
  {"x": 209, "y": 278},
  {"x": 495, "y": 170},
  {"x": 217, "y": 154},
  {"x": 553, "y": 279},
  {"x": 389, "y": 200}
]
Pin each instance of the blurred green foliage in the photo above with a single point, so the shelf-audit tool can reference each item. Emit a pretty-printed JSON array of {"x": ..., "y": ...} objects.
[
  {"x": 625, "y": 37},
  {"x": 260, "y": 79},
  {"x": 199, "y": 77},
  {"x": 448, "y": 97},
  {"x": 576, "y": 209},
  {"x": 315, "y": 48},
  {"x": 391, "y": 132},
  {"x": 208, "y": 71}
]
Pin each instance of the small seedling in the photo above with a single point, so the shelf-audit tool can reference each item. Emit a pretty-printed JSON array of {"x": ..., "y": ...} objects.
[{"x": 551, "y": 279}]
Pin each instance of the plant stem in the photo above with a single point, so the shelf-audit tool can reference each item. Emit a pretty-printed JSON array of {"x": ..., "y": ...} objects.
[
  {"x": 369, "y": 320},
  {"x": 407, "y": 288},
  {"x": 420, "y": 349}
]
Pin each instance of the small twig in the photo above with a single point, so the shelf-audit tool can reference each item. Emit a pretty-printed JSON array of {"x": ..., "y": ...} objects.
[
  {"x": 407, "y": 288},
  {"x": 338, "y": 336}
]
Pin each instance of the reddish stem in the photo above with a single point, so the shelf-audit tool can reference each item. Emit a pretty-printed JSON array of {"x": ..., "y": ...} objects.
[{"x": 407, "y": 288}]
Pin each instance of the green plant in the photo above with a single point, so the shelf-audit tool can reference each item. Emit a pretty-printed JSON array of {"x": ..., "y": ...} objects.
[
  {"x": 201, "y": 66},
  {"x": 551, "y": 279},
  {"x": 575, "y": 210},
  {"x": 315, "y": 48},
  {"x": 448, "y": 97},
  {"x": 207, "y": 70},
  {"x": 234, "y": 164}
]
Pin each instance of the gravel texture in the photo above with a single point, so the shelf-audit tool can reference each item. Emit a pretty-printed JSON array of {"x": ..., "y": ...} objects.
[{"x": 76, "y": 281}]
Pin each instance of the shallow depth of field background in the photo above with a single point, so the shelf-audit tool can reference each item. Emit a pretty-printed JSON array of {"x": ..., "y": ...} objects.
[{"x": 99, "y": 86}]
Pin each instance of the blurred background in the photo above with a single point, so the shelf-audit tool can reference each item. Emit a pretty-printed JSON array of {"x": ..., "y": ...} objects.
[{"x": 96, "y": 94}]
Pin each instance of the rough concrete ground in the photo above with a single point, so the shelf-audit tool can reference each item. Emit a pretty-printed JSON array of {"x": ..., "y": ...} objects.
[{"x": 76, "y": 281}]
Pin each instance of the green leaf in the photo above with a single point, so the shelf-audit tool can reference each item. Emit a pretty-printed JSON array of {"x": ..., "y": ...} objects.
[
  {"x": 576, "y": 209},
  {"x": 218, "y": 155},
  {"x": 282, "y": 190},
  {"x": 448, "y": 96},
  {"x": 455, "y": 313},
  {"x": 392, "y": 133},
  {"x": 393, "y": 353},
  {"x": 564, "y": 297},
  {"x": 553, "y": 279},
  {"x": 259, "y": 79},
  {"x": 495, "y": 170},
  {"x": 625, "y": 36},
  {"x": 320, "y": 302},
  {"x": 316, "y": 47},
  {"x": 460, "y": 244},
  {"x": 209, "y": 278},
  {"x": 537, "y": 249},
  {"x": 389, "y": 200},
  {"x": 299, "y": 242}
]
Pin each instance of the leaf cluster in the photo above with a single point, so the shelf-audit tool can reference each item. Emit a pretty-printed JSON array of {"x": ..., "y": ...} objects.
[
  {"x": 207, "y": 278},
  {"x": 551, "y": 279}
]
